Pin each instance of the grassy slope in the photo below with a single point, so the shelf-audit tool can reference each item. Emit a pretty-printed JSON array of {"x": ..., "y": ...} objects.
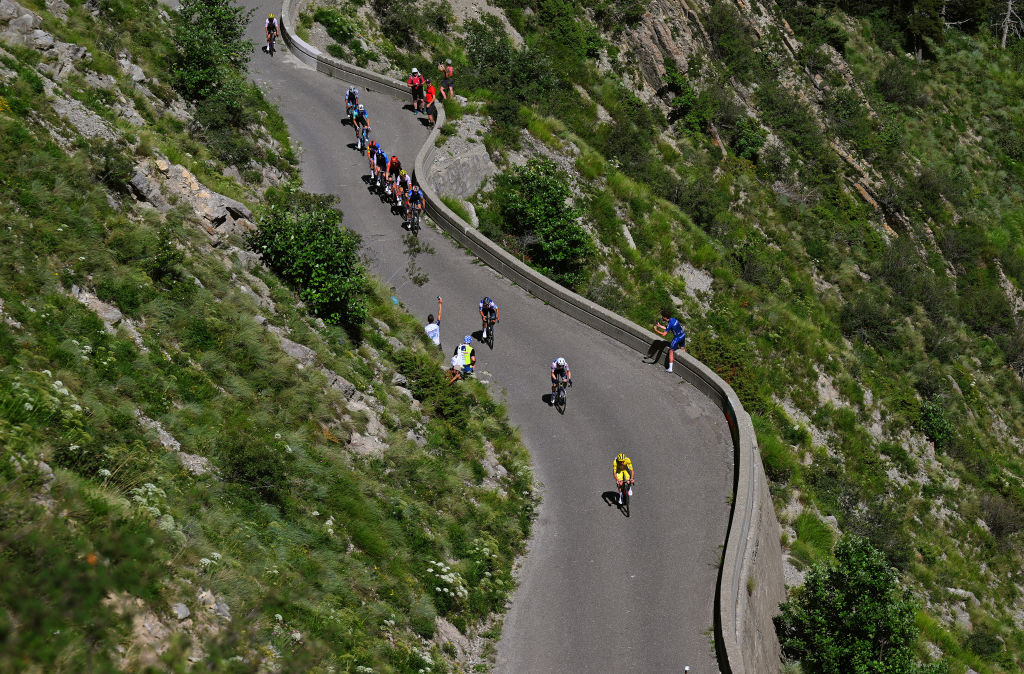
[
  {"x": 325, "y": 558},
  {"x": 882, "y": 366}
]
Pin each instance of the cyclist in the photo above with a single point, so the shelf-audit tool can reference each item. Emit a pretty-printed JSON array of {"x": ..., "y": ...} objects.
[
  {"x": 559, "y": 370},
  {"x": 391, "y": 174},
  {"x": 360, "y": 119},
  {"x": 622, "y": 467},
  {"x": 488, "y": 309},
  {"x": 402, "y": 186},
  {"x": 380, "y": 164},
  {"x": 678, "y": 335},
  {"x": 371, "y": 153},
  {"x": 464, "y": 352},
  {"x": 351, "y": 102},
  {"x": 414, "y": 201},
  {"x": 271, "y": 29}
]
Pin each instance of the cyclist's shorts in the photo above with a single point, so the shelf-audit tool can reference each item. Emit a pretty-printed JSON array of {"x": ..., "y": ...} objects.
[
  {"x": 622, "y": 476},
  {"x": 677, "y": 342}
]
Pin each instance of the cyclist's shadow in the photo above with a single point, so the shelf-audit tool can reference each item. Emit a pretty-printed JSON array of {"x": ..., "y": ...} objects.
[
  {"x": 611, "y": 498},
  {"x": 657, "y": 348}
]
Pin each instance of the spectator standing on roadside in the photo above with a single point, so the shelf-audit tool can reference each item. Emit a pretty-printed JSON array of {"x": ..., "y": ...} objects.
[
  {"x": 446, "y": 79},
  {"x": 416, "y": 85},
  {"x": 431, "y": 107},
  {"x": 433, "y": 328}
]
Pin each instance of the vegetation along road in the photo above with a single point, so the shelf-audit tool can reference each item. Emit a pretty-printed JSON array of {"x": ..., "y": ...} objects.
[{"x": 597, "y": 589}]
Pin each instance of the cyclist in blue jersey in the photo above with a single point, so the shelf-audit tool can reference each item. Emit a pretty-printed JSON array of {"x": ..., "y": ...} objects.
[{"x": 672, "y": 325}]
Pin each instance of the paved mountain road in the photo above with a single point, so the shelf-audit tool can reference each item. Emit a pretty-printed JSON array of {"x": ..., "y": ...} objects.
[{"x": 598, "y": 591}]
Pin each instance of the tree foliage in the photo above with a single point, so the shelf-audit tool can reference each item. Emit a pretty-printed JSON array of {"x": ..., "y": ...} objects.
[
  {"x": 852, "y": 616},
  {"x": 531, "y": 202},
  {"x": 301, "y": 239},
  {"x": 212, "y": 48}
]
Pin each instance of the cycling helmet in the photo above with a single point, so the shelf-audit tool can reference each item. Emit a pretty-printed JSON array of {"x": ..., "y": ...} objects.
[
  {"x": 486, "y": 301},
  {"x": 402, "y": 173},
  {"x": 560, "y": 362},
  {"x": 448, "y": 61},
  {"x": 467, "y": 340},
  {"x": 620, "y": 457},
  {"x": 362, "y": 107},
  {"x": 270, "y": 16}
]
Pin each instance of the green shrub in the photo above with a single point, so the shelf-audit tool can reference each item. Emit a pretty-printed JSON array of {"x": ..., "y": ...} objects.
[
  {"x": 211, "y": 45},
  {"x": 851, "y": 615},
  {"x": 732, "y": 40},
  {"x": 530, "y": 205},
  {"x": 899, "y": 82},
  {"x": 300, "y": 238}
]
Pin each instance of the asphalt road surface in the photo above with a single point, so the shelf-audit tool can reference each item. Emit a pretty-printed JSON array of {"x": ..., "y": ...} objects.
[{"x": 598, "y": 590}]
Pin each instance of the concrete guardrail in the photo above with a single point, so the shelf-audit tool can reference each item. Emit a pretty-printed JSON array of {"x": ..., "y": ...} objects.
[{"x": 750, "y": 581}]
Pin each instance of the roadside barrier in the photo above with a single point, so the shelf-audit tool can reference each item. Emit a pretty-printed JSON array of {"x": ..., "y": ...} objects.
[{"x": 750, "y": 581}]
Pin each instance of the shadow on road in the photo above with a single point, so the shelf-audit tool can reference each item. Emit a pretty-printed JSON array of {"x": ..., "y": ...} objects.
[
  {"x": 657, "y": 348},
  {"x": 611, "y": 498}
]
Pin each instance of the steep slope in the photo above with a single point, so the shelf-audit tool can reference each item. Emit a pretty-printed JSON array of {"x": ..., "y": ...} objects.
[{"x": 197, "y": 471}]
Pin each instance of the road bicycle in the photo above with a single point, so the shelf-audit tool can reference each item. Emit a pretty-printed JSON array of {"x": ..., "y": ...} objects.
[
  {"x": 561, "y": 383},
  {"x": 271, "y": 43},
  {"x": 489, "y": 330},
  {"x": 363, "y": 139},
  {"x": 413, "y": 218},
  {"x": 625, "y": 488}
]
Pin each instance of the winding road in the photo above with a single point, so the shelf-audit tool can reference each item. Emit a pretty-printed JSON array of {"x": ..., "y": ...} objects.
[{"x": 598, "y": 591}]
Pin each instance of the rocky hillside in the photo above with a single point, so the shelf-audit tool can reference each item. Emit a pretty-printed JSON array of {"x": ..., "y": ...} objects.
[
  {"x": 198, "y": 472},
  {"x": 831, "y": 201}
]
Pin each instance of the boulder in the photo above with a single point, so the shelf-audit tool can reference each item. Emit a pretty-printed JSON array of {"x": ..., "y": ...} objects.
[
  {"x": 25, "y": 23},
  {"x": 147, "y": 189},
  {"x": 339, "y": 383},
  {"x": 299, "y": 352}
]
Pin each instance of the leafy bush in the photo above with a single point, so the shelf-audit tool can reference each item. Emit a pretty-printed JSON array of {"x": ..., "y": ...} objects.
[
  {"x": 732, "y": 40},
  {"x": 211, "y": 45},
  {"x": 402, "y": 22},
  {"x": 300, "y": 238},
  {"x": 900, "y": 83},
  {"x": 113, "y": 166},
  {"x": 341, "y": 26},
  {"x": 530, "y": 203},
  {"x": 851, "y": 615}
]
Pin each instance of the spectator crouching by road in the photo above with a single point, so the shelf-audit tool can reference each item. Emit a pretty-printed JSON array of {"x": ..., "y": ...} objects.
[{"x": 416, "y": 86}]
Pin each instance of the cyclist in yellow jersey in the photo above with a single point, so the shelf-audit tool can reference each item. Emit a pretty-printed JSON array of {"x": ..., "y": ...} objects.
[{"x": 622, "y": 467}]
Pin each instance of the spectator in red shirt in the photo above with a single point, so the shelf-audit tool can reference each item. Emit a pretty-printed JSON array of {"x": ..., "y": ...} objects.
[
  {"x": 446, "y": 81},
  {"x": 416, "y": 85},
  {"x": 431, "y": 107}
]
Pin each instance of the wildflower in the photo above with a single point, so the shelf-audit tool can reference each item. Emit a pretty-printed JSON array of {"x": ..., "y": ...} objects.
[
  {"x": 103, "y": 472},
  {"x": 47, "y": 373},
  {"x": 316, "y": 513},
  {"x": 28, "y": 407},
  {"x": 204, "y": 562},
  {"x": 278, "y": 617},
  {"x": 216, "y": 556}
]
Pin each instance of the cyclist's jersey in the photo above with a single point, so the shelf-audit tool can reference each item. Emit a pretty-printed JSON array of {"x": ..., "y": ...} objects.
[
  {"x": 394, "y": 166},
  {"x": 490, "y": 308},
  {"x": 353, "y": 95},
  {"x": 382, "y": 159},
  {"x": 416, "y": 195},
  {"x": 466, "y": 352},
  {"x": 622, "y": 467},
  {"x": 404, "y": 182},
  {"x": 555, "y": 369},
  {"x": 675, "y": 327},
  {"x": 271, "y": 25},
  {"x": 362, "y": 118}
]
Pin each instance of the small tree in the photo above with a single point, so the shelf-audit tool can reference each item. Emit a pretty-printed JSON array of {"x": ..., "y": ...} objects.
[
  {"x": 532, "y": 203},
  {"x": 301, "y": 238},
  {"x": 852, "y": 616},
  {"x": 212, "y": 49}
]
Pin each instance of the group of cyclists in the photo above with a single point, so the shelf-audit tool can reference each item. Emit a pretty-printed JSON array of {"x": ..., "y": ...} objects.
[
  {"x": 386, "y": 172},
  {"x": 396, "y": 184}
]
